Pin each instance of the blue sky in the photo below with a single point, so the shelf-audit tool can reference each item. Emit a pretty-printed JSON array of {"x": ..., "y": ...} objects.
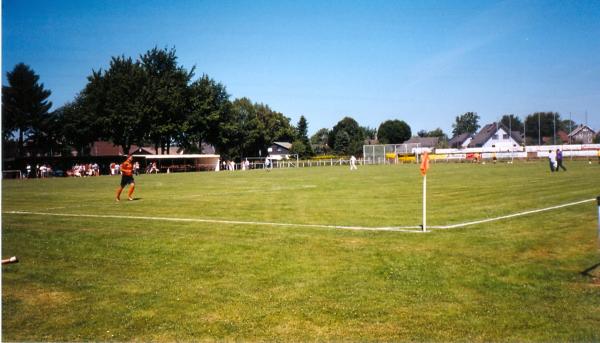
[{"x": 424, "y": 62}]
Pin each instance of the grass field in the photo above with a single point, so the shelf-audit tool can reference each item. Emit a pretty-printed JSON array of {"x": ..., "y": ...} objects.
[{"x": 117, "y": 273}]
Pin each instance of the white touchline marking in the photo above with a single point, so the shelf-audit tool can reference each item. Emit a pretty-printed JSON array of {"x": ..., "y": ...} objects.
[
  {"x": 217, "y": 221},
  {"x": 453, "y": 226},
  {"x": 358, "y": 228}
]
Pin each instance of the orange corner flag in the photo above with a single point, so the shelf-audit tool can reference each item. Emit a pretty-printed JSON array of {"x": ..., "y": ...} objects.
[{"x": 425, "y": 163}]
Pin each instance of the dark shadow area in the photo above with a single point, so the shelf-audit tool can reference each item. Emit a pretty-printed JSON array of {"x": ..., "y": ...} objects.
[{"x": 590, "y": 271}]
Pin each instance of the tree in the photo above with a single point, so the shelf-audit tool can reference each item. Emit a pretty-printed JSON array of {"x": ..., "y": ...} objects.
[
  {"x": 320, "y": 140},
  {"x": 165, "y": 97},
  {"x": 209, "y": 118},
  {"x": 542, "y": 124},
  {"x": 78, "y": 128},
  {"x": 115, "y": 99},
  {"x": 369, "y": 133},
  {"x": 355, "y": 137},
  {"x": 342, "y": 143},
  {"x": 466, "y": 123},
  {"x": 512, "y": 122},
  {"x": 437, "y": 133},
  {"x": 301, "y": 145},
  {"x": 254, "y": 128},
  {"x": 25, "y": 107},
  {"x": 393, "y": 132},
  {"x": 443, "y": 138}
]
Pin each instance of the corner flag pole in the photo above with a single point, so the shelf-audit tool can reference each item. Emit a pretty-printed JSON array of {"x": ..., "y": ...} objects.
[
  {"x": 424, "y": 167},
  {"x": 425, "y": 203},
  {"x": 598, "y": 200}
]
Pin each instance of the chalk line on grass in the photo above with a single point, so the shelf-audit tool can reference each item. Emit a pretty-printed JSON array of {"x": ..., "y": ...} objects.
[
  {"x": 218, "y": 221},
  {"x": 518, "y": 214},
  {"x": 409, "y": 229}
]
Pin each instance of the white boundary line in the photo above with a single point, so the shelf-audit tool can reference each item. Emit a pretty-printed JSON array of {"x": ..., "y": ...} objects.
[
  {"x": 342, "y": 227},
  {"x": 454, "y": 226},
  {"x": 230, "y": 222}
]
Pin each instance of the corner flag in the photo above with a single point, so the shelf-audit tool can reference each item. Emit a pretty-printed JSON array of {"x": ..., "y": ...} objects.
[
  {"x": 424, "y": 164},
  {"x": 424, "y": 167}
]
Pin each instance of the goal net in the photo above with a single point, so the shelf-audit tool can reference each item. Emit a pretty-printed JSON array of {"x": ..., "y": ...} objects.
[{"x": 388, "y": 153}]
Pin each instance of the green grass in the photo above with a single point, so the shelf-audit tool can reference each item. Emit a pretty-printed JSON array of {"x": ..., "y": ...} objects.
[{"x": 107, "y": 279}]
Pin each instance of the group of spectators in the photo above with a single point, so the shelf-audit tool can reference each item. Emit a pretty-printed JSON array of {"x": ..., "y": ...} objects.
[
  {"x": 244, "y": 165},
  {"x": 84, "y": 169},
  {"x": 41, "y": 171},
  {"x": 115, "y": 168}
]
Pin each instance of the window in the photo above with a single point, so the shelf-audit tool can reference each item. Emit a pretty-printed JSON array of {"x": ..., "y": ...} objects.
[
  {"x": 495, "y": 137},
  {"x": 505, "y": 136}
]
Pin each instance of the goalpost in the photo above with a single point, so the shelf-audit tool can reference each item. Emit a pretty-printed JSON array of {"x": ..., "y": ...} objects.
[
  {"x": 12, "y": 174},
  {"x": 388, "y": 153}
]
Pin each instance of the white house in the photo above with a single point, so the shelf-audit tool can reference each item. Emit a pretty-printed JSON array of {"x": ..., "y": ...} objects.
[
  {"x": 280, "y": 150},
  {"x": 497, "y": 136}
]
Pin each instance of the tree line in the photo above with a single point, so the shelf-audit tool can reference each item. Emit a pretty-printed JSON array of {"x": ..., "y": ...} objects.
[{"x": 155, "y": 101}]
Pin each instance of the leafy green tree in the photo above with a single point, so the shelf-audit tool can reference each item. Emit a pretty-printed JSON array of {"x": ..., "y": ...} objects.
[
  {"x": 25, "y": 107},
  {"x": 320, "y": 141},
  {"x": 393, "y": 132},
  {"x": 541, "y": 124},
  {"x": 342, "y": 142},
  {"x": 115, "y": 99},
  {"x": 369, "y": 132},
  {"x": 466, "y": 123},
  {"x": 209, "y": 118},
  {"x": 165, "y": 97},
  {"x": 299, "y": 148},
  {"x": 512, "y": 122},
  {"x": 255, "y": 128},
  {"x": 240, "y": 136},
  {"x": 355, "y": 137},
  {"x": 443, "y": 138},
  {"x": 275, "y": 126},
  {"x": 78, "y": 128},
  {"x": 437, "y": 133}
]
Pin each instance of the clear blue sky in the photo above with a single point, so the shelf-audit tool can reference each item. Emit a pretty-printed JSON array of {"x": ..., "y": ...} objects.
[{"x": 424, "y": 62}]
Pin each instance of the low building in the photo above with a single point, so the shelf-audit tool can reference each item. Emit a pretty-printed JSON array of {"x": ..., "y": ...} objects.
[
  {"x": 424, "y": 142},
  {"x": 582, "y": 134},
  {"x": 280, "y": 150},
  {"x": 460, "y": 141}
]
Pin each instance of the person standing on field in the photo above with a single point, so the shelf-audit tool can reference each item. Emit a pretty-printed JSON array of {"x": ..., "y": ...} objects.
[
  {"x": 126, "y": 178},
  {"x": 552, "y": 160},
  {"x": 353, "y": 163},
  {"x": 559, "y": 159}
]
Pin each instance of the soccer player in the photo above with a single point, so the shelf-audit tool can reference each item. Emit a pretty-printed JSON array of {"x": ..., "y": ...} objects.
[
  {"x": 353, "y": 163},
  {"x": 552, "y": 160},
  {"x": 126, "y": 178},
  {"x": 559, "y": 160}
]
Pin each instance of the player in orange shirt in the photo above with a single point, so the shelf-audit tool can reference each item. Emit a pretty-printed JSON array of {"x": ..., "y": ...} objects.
[{"x": 126, "y": 178}]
